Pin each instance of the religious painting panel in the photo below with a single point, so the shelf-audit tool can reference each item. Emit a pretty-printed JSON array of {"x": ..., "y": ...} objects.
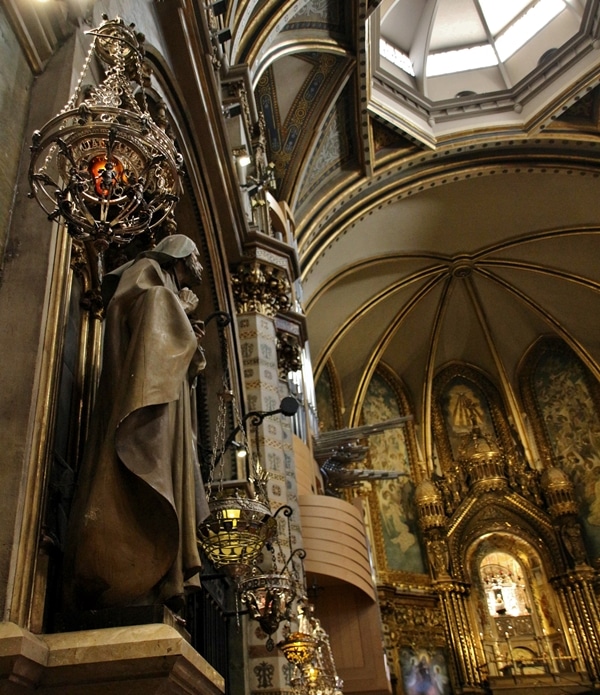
[
  {"x": 464, "y": 407},
  {"x": 392, "y": 501},
  {"x": 466, "y": 400},
  {"x": 564, "y": 400},
  {"x": 424, "y": 671}
]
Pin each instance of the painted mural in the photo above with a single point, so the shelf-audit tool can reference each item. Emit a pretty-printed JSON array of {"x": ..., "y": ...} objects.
[
  {"x": 464, "y": 406},
  {"x": 572, "y": 426},
  {"x": 325, "y": 403},
  {"x": 389, "y": 451}
]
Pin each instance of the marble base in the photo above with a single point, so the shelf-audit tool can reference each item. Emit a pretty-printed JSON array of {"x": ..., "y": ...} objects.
[
  {"x": 120, "y": 617},
  {"x": 132, "y": 660}
]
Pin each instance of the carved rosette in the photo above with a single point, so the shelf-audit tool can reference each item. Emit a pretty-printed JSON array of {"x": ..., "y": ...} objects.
[
  {"x": 289, "y": 353},
  {"x": 260, "y": 288}
]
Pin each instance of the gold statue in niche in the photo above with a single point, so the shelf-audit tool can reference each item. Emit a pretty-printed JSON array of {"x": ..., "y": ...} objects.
[
  {"x": 132, "y": 531},
  {"x": 518, "y": 617}
]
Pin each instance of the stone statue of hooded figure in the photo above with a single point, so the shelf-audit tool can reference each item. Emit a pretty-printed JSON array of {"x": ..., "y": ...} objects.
[{"x": 139, "y": 498}]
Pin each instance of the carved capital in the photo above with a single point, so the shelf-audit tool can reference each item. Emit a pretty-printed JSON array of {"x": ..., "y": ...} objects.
[{"x": 260, "y": 288}]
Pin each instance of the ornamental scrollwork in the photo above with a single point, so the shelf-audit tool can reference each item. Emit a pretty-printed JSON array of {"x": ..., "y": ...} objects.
[
  {"x": 289, "y": 353},
  {"x": 260, "y": 288}
]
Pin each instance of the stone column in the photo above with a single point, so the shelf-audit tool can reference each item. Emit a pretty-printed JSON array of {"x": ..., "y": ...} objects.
[{"x": 261, "y": 290}]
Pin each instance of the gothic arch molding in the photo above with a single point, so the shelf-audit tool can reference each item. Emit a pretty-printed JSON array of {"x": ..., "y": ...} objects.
[{"x": 508, "y": 514}]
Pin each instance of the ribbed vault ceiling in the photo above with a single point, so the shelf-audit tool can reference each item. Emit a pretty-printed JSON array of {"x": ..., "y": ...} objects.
[{"x": 472, "y": 271}]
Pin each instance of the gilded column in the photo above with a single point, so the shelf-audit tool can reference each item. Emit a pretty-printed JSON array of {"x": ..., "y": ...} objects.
[
  {"x": 453, "y": 598},
  {"x": 575, "y": 587},
  {"x": 453, "y": 595},
  {"x": 580, "y": 608}
]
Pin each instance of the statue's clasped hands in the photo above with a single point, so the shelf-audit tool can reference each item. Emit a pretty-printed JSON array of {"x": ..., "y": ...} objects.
[{"x": 188, "y": 300}]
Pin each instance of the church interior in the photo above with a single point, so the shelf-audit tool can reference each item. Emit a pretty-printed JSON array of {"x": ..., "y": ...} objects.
[{"x": 378, "y": 472}]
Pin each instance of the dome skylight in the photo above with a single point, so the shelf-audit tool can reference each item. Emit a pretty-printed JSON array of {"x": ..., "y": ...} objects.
[
  {"x": 470, "y": 58},
  {"x": 396, "y": 56},
  {"x": 520, "y": 31},
  {"x": 507, "y": 27},
  {"x": 503, "y": 59}
]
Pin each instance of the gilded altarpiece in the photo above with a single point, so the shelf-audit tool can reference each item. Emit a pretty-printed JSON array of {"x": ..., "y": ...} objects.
[
  {"x": 503, "y": 542},
  {"x": 564, "y": 401},
  {"x": 413, "y": 630}
]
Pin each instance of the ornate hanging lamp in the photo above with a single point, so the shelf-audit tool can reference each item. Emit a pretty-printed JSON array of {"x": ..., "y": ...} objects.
[
  {"x": 309, "y": 651},
  {"x": 299, "y": 647},
  {"x": 102, "y": 164},
  {"x": 235, "y": 532},
  {"x": 269, "y": 595},
  {"x": 240, "y": 521}
]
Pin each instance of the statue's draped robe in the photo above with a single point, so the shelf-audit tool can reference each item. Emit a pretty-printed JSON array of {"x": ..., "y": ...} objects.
[{"x": 139, "y": 499}]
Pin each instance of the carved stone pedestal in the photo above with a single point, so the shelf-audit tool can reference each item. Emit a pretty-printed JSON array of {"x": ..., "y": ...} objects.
[
  {"x": 134, "y": 660},
  {"x": 120, "y": 617}
]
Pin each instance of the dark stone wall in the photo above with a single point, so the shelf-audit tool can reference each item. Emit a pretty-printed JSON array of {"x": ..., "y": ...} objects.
[{"x": 15, "y": 88}]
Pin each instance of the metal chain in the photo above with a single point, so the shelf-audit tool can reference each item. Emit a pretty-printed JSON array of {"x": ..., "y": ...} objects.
[
  {"x": 76, "y": 92},
  {"x": 218, "y": 449}
]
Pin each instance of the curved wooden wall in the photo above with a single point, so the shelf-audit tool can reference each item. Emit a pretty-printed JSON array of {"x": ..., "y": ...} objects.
[{"x": 335, "y": 541}]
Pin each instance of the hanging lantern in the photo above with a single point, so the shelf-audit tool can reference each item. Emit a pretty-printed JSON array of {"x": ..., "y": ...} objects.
[
  {"x": 268, "y": 597},
  {"x": 309, "y": 651},
  {"x": 240, "y": 523},
  {"x": 103, "y": 164},
  {"x": 235, "y": 532},
  {"x": 298, "y": 648}
]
